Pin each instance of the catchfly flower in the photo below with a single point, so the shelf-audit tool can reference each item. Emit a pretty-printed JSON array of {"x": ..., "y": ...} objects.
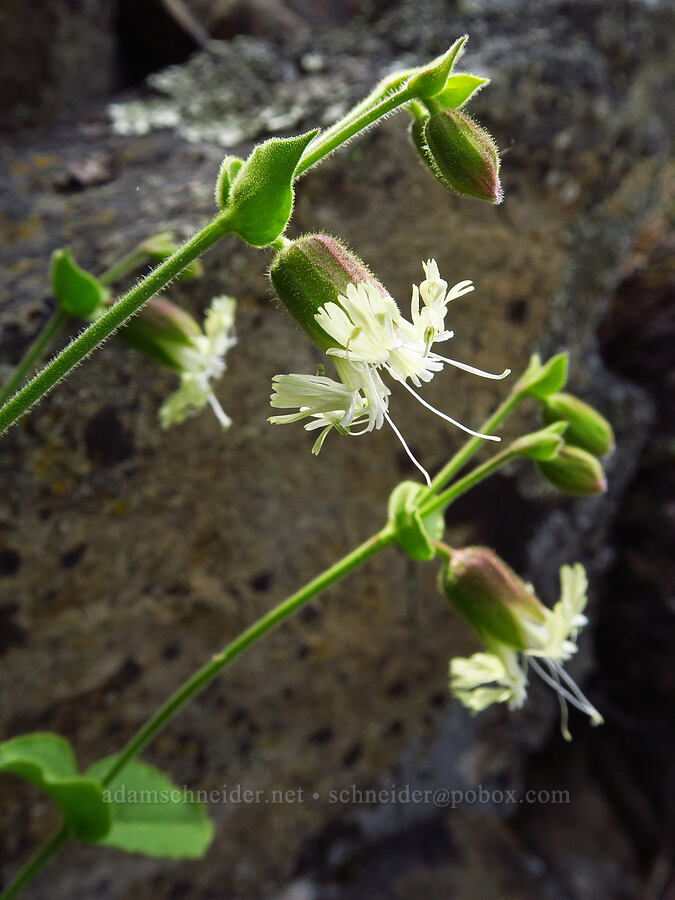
[
  {"x": 366, "y": 336},
  {"x": 518, "y": 631},
  {"x": 200, "y": 360}
]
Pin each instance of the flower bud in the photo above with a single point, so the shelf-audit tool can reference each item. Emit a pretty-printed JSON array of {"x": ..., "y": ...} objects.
[
  {"x": 417, "y": 128},
  {"x": 575, "y": 471},
  {"x": 162, "y": 331},
  {"x": 587, "y": 428},
  {"x": 312, "y": 271},
  {"x": 490, "y": 596},
  {"x": 463, "y": 156}
]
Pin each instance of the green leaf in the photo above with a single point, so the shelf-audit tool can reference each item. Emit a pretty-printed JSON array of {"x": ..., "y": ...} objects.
[
  {"x": 434, "y": 524},
  {"x": 78, "y": 293},
  {"x": 431, "y": 79},
  {"x": 229, "y": 168},
  {"x": 459, "y": 89},
  {"x": 48, "y": 762},
  {"x": 414, "y": 534},
  {"x": 151, "y": 815},
  {"x": 260, "y": 198},
  {"x": 544, "y": 444},
  {"x": 542, "y": 380}
]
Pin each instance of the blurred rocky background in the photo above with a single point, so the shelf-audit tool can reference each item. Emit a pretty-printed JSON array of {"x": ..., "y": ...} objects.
[{"x": 128, "y": 556}]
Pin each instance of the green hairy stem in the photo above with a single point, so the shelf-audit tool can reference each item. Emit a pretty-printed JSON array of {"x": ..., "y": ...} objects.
[{"x": 110, "y": 321}]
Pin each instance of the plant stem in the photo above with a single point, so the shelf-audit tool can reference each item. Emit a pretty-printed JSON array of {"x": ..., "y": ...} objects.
[
  {"x": 34, "y": 353},
  {"x": 348, "y": 127},
  {"x": 111, "y": 320},
  {"x": 462, "y": 457},
  {"x": 250, "y": 636},
  {"x": 35, "y": 863},
  {"x": 202, "y": 678},
  {"x": 382, "y": 89},
  {"x": 470, "y": 480},
  {"x": 53, "y": 325}
]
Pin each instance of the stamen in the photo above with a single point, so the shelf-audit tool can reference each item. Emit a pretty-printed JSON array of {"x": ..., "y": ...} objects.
[
  {"x": 472, "y": 369},
  {"x": 408, "y": 450},
  {"x": 552, "y": 682},
  {"x": 580, "y": 702},
  {"x": 486, "y": 437},
  {"x": 221, "y": 415},
  {"x": 561, "y": 694},
  {"x": 564, "y": 711},
  {"x": 588, "y": 707}
]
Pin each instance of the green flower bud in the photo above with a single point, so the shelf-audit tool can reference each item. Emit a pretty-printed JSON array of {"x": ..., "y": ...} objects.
[
  {"x": 462, "y": 155},
  {"x": 575, "y": 471},
  {"x": 417, "y": 128},
  {"x": 312, "y": 271},
  {"x": 490, "y": 596},
  {"x": 162, "y": 331},
  {"x": 587, "y": 428}
]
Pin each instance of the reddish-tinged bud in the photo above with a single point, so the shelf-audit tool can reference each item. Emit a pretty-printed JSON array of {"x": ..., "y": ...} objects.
[
  {"x": 161, "y": 330},
  {"x": 461, "y": 154},
  {"x": 490, "y": 596},
  {"x": 575, "y": 471},
  {"x": 312, "y": 271}
]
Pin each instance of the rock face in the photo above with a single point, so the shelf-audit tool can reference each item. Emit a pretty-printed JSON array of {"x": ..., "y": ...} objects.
[
  {"x": 55, "y": 60},
  {"x": 128, "y": 555}
]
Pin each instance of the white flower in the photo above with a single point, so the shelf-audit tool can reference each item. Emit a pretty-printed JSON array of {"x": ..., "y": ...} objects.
[
  {"x": 501, "y": 675},
  {"x": 486, "y": 678},
  {"x": 556, "y": 638},
  {"x": 202, "y": 361},
  {"x": 371, "y": 336},
  {"x": 329, "y": 403}
]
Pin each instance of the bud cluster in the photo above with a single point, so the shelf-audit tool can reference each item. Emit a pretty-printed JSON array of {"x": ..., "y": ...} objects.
[{"x": 584, "y": 435}]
